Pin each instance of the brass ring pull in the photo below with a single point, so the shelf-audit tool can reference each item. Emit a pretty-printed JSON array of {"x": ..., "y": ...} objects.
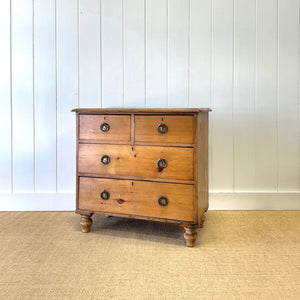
[
  {"x": 162, "y": 163},
  {"x": 105, "y": 159},
  {"x": 105, "y": 195},
  {"x": 104, "y": 127},
  {"x": 163, "y": 201},
  {"x": 162, "y": 128}
]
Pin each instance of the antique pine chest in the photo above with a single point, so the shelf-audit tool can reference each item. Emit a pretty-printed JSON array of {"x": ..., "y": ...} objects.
[{"x": 143, "y": 163}]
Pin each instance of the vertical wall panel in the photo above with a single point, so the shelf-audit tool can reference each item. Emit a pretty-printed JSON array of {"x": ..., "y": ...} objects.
[
  {"x": 45, "y": 95},
  {"x": 288, "y": 96},
  {"x": 244, "y": 95},
  {"x": 222, "y": 97},
  {"x": 5, "y": 107},
  {"x": 156, "y": 53},
  {"x": 178, "y": 53},
  {"x": 89, "y": 54},
  {"x": 200, "y": 53},
  {"x": 22, "y": 95},
  {"x": 112, "y": 53},
  {"x": 239, "y": 57},
  {"x": 134, "y": 53},
  {"x": 266, "y": 97},
  {"x": 200, "y": 58},
  {"x": 67, "y": 92}
]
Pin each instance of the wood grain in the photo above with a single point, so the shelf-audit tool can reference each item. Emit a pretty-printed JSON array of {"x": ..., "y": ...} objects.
[
  {"x": 202, "y": 164},
  {"x": 136, "y": 161},
  {"x": 190, "y": 235},
  {"x": 137, "y": 197},
  {"x": 129, "y": 182},
  {"x": 86, "y": 223},
  {"x": 180, "y": 129},
  {"x": 130, "y": 177},
  {"x": 89, "y": 127}
]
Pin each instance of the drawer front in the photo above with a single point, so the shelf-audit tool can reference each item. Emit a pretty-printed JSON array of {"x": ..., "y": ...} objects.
[
  {"x": 158, "y": 200},
  {"x": 104, "y": 127},
  {"x": 141, "y": 161},
  {"x": 164, "y": 129}
]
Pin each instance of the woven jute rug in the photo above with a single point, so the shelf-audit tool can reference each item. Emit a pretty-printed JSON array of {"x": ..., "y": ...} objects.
[{"x": 238, "y": 255}]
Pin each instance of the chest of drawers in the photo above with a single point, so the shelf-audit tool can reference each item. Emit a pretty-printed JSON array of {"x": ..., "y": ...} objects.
[{"x": 144, "y": 164}]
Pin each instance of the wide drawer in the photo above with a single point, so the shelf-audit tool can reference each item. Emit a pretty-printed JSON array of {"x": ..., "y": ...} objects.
[
  {"x": 104, "y": 127},
  {"x": 141, "y": 161},
  {"x": 142, "y": 198},
  {"x": 164, "y": 129}
]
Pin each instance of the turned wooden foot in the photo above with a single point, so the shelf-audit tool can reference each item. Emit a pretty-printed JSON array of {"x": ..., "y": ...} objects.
[
  {"x": 190, "y": 235},
  {"x": 202, "y": 220},
  {"x": 86, "y": 223}
]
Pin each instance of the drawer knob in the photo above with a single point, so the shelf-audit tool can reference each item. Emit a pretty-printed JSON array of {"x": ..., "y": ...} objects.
[
  {"x": 163, "y": 201},
  {"x": 105, "y": 159},
  {"x": 104, "y": 195},
  {"x": 162, "y": 163},
  {"x": 162, "y": 128},
  {"x": 104, "y": 127}
]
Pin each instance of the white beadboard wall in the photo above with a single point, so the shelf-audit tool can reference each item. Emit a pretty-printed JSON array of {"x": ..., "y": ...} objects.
[{"x": 239, "y": 57}]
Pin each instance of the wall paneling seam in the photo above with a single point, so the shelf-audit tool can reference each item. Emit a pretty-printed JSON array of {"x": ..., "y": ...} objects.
[
  {"x": 145, "y": 52},
  {"x": 189, "y": 54},
  {"x": 167, "y": 54},
  {"x": 299, "y": 90},
  {"x": 56, "y": 97},
  {"x": 277, "y": 102},
  {"x": 78, "y": 50},
  {"x": 233, "y": 98},
  {"x": 255, "y": 101},
  {"x": 11, "y": 106},
  {"x": 123, "y": 57},
  {"x": 33, "y": 95},
  {"x": 210, "y": 174},
  {"x": 101, "y": 70}
]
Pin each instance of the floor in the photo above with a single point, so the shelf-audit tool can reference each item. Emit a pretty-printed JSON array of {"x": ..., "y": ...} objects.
[{"x": 238, "y": 255}]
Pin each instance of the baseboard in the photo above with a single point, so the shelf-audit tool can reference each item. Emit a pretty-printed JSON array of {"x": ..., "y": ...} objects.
[
  {"x": 254, "y": 201},
  {"x": 37, "y": 202},
  {"x": 217, "y": 201}
]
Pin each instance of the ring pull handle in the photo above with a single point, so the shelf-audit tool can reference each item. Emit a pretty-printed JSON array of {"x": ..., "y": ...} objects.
[
  {"x": 104, "y": 127},
  {"x": 163, "y": 201},
  {"x": 104, "y": 195},
  {"x": 162, "y": 163},
  {"x": 162, "y": 128},
  {"x": 105, "y": 159}
]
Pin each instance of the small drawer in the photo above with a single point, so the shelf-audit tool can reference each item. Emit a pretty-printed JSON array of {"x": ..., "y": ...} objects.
[
  {"x": 164, "y": 129},
  {"x": 142, "y": 198},
  {"x": 104, "y": 127},
  {"x": 139, "y": 161}
]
